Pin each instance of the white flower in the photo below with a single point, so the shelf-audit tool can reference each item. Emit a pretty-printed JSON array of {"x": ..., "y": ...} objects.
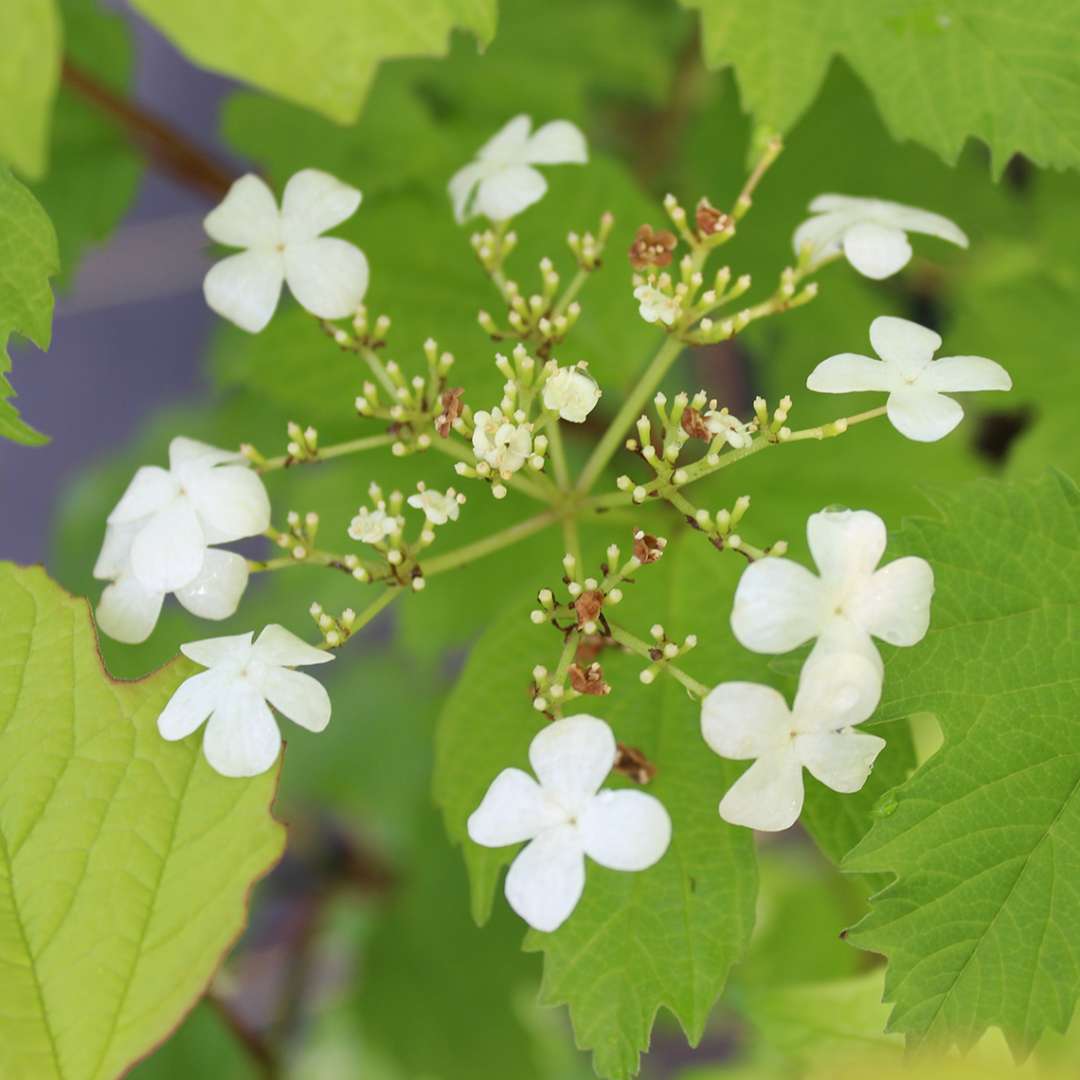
[
  {"x": 656, "y": 306},
  {"x": 327, "y": 276},
  {"x": 870, "y": 232},
  {"x": 502, "y": 182},
  {"x": 372, "y": 526},
  {"x": 244, "y": 679},
  {"x": 746, "y": 720},
  {"x": 158, "y": 538},
  {"x": 437, "y": 507},
  {"x": 503, "y": 445},
  {"x": 721, "y": 422},
  {"x": 915, "y": 382},
  {"x": 566, "y": 817},
  {"x": 780, "y": 605},
  {"x": 572, "y": 393}
]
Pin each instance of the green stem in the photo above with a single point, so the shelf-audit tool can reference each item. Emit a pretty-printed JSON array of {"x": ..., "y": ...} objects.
[
  {"x": 568, "y": 297},
  {"x": 378, "y": 369},
  {"x": 641, "y": 648},
  {"x": 386, "y": 597},
  {"x": 353, "y": 446},
  {"x": 490, "y": 544}
]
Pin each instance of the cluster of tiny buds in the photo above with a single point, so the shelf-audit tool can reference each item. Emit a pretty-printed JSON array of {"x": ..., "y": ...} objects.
[
  {"x": 775, "y": 426},
  {"x": 372, "y": 334},
  {"x": 493, "y": 247},
  {"x": 299, "y": 538},
  {"x": 335, "y": 630},
  {"x": 710, "y": 227},
  {"x": 303, "y": 444},
  {"x": 663, "y": 651},
  {"x": 589, "y": 249}
]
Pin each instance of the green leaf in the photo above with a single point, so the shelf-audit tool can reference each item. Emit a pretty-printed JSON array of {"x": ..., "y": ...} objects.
[
  {"x": 30, "y": 31},
  {"x": 979, "y": 926},
  {"x": 322, "y": 53},
  {"x": 636, "y": 942},
  {"x": 28, "y": 258},
  {"x": 939, "y": 72},
  {"x": 125, "y": 861}
]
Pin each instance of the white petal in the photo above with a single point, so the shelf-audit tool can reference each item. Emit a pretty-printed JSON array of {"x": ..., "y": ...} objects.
[
  {"x": 836, "y": 690},
  {"x": 546, "y": 880},
  {"x": 210, "y": 652},
  {"x": 242, "y": 738},
  {"x": 231, "y": 502},
  {"x": 276, "y": 645},
  {"x": 840, "y": 760},
  {"x": 508, "y": 143},
  {"x": 822, "y": 234},
  {"x": 842, "y": 634},
  {"x": 127, "y": 611},
  {"x": 297, "y": 696},
  {"x": 116, "y": 550},
  {"x": 894, "y": 605},
  {"x": 572, "y": 757},
  {"x": 557, "y": 143},
  {"x": 778, "y": 606},
  {"x": 768, "y": 796},
  {"x": 963, "y": 373},
  {"x": 313, "y": 202},
  {"x": 876, "y": 251},
  {"x": 904, "y": 343},
  {"x": 184, "y": 451},
  {"x": 151, "y": 489},
  {"x": 327, "y": 276},
  {"x": 461, "y": 187},
  {"x": 168, "y": 551},
  {"x": 245, "y": 288},
  {"x": 912, "y": 219},
  {"x": 247, "y": 217},
  {"x": 742, "y": 720},
  {"x": 846, "y": 544},
  {"x": 625, "y": 830},
  {"x": 923, "y": 415},
  {"x": 513, "y": 809},
  {"x": 509, "y": 191},
  {"x": 849, "y": 373},
  {"x": 216, "y": 592},
  {"x": 192, "y": 702}
]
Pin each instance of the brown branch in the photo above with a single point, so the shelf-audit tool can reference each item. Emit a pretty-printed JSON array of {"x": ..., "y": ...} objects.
[
  {"x": 262, "y": 1054},
  {"x": 163, "y": 146}
]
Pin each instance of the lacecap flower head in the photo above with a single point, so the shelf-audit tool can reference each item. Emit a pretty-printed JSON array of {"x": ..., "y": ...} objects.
[
  {"x": 741, "y": 720},
  {"x": 872, "y": 233},
  {"x": 915, "y": 382},
  {"x": 244, "y": 678},
  {"x": 780, "y": 605},
  {"x": 566, "y": 817},
  {"x": 502, "y": 181},
  {"x": 327, "y": 276}
]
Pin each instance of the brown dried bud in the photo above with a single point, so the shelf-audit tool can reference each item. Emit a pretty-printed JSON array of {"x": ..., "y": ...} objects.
[
  {"x": 588, "y": 606},
  {"x": 589, "y": 648},
  {"x": 693, "y": 423},
  {"x": 652, "y": 248},
  {"x": 647, "y": 549},
  {"x": 631, "y": 762},
  {"x": 710, "y": 220},
  {"x": 451, "y": 406},
  {"x": 588, "y": 680}
]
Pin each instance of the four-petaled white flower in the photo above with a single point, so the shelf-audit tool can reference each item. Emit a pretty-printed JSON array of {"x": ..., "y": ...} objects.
[
  {"x": 734, "y": 431},
  {"x": 327, "y": 276},
  {"x": 566, "y": 817},
  {"x": 244, "y": 679},
  {"x": 915, "y": 382},
  {"x": 502, "y": 182},
  {"x": 437, "y": 507},
  {"x": 872, "y": 233},
  {"x": 372, "y": 526},
  {"x": 501, "y": 443},
  {"x": 572, "y": 393},
  {"x": 742, "y": 720},
  {"x": 656, "y": 306},
  {"x": 780, "y": 605},
  {"x": 159, "y": 534}
]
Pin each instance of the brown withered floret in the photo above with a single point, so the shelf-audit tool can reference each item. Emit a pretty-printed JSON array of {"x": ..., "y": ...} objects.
[
  {"x": 588, "y": 680},
  {"x": 633, "y": 763},
  {"x": 451, "y": 405},
  {"x": 709, "y": 220},
  {"x": 589, "y": 648},
  {"x": 652, "y": 248},
  {"x": 647, "y": 548},
  {"x": 693, "y": 423},
  {"x": 588, "y": 606}
]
